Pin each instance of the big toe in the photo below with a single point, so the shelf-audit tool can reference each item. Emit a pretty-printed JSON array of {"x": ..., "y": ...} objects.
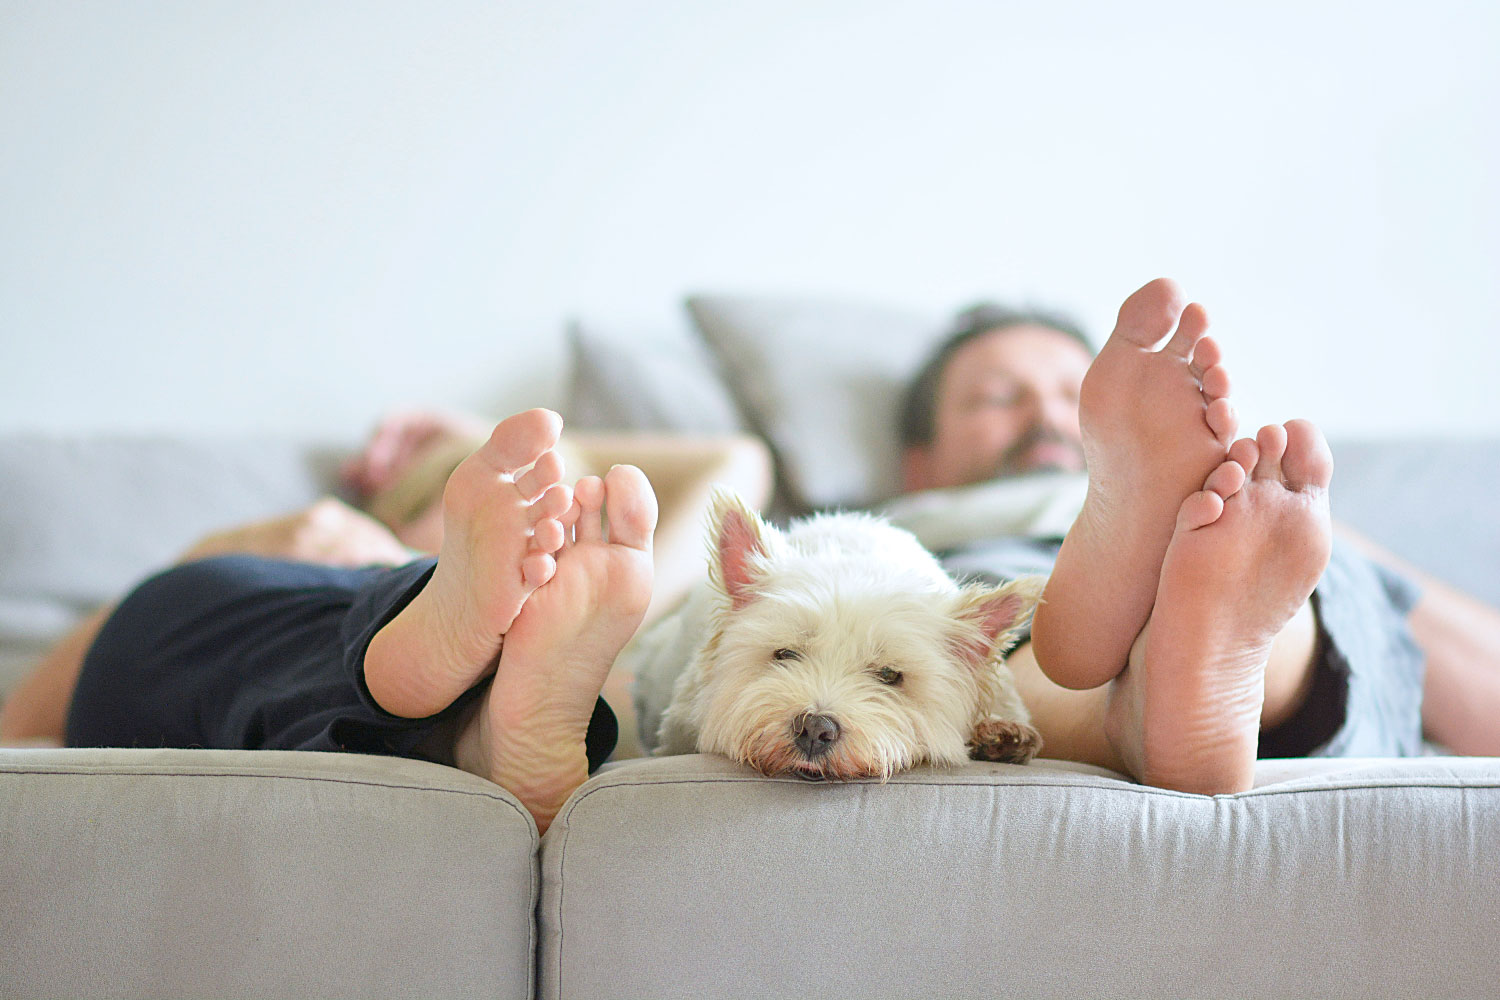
[
  {"x": 630, "y": 506},
  {"x": 1307, "y": 463},
  {"x": 520, "y": 440},
  {"x": 1150, "y": 313}
]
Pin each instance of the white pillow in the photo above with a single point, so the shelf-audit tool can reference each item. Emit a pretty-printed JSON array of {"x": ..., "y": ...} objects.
[{"x": 821, "y": 381}]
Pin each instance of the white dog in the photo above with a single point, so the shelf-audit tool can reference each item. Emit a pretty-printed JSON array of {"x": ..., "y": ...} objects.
[{"x": 839, "y": 649}]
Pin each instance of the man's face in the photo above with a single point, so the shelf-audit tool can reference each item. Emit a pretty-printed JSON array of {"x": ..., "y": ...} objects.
[{"x": 1007, "y": 404}]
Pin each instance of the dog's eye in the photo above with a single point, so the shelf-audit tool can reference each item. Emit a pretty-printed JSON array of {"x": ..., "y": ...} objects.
[
  {"x": 888, "y": 675},
  {"x": 786, "y": 654}
]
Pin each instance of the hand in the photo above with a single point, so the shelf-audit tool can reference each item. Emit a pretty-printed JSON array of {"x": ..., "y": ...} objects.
[{"x": 399, "y": 440}]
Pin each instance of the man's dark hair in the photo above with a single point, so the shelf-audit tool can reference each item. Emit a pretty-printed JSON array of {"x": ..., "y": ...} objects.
[{"x": 919, "y": 402}]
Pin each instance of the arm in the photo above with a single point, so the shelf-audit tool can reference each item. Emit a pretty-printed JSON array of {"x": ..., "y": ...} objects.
[{"x": 682, "y": 470}]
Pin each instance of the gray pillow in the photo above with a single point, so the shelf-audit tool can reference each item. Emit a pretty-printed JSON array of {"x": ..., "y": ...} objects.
[
  {"x": 820, "y": 379},
  {"x": 658, "y": 380},
  {"x": 85, "y": 517},
  {"x": 1427, "y": 501}
]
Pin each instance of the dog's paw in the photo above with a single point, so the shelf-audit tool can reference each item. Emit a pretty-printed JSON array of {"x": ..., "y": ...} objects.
[{"x": 1004, "y": 742}]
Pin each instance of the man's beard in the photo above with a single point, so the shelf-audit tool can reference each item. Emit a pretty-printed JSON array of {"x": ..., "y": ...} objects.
[{"x": 1014, "y": 462}]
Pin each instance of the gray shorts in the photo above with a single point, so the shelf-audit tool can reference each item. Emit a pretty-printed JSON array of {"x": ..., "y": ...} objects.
[{"x": 1366, "y": 695}]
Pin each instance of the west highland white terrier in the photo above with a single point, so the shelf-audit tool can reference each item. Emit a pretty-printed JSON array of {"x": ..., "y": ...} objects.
[{"x": 838, "y": 649}]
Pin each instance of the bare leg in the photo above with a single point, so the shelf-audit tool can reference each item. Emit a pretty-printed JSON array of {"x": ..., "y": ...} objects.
[
  {"x": 37, "y": 710},
  {"x": 1155, "y": 424},
  {"x": 1185, "y": 714},
  {"x": 527, "y": 734}
]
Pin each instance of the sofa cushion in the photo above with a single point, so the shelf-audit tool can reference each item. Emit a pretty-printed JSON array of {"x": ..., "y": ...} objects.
[
  {"x": 692, "y": 877},
  {"x": 205, "y": 873}
]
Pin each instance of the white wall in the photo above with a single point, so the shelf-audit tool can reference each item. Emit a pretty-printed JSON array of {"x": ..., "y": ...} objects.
[{"x": 291, "y": 215}]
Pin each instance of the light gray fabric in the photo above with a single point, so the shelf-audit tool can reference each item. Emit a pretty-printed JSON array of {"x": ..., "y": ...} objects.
[
  {"x": 662, "y": 380},
  {"x": 691, "y": 877},
  {"x": 201, "y": 873},
  {"x": 84, "y": 517},
  {"x": 820, "y": 380},
  {"x": 1430, "y": 501}
]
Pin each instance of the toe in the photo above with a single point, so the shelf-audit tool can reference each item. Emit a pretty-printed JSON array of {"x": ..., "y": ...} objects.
[
  {"x": 1308, "y": 464},
  {"x": 1245, "y": 453},
  {"x": 1199, "y": 509},
  {"x": 631, "y": 507},
  {"x": 1271, "y": 443},
  {"x": 1226, "y": 480},
  {"x": 569, "y": 517},
  {"x": 1191, "y": 327},
  {"x": 548, "y": 535},
  {"x": 1215, "y": 383},
  {"x": 1222, "y": 419},
  {"x": 537, "y": 568},
  {"x": 546, "y": 472},
  {"x": 1150, "y": 313},
  {"x": 518, "y": 441},
  {"x": 1205, "y": 355},
  {"x": 590, "y": 496},
  {"x": 554, "y": 503}
]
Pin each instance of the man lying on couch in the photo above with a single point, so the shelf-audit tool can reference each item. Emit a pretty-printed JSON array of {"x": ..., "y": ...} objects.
[
  {"x": 1364, "y": 668},
  {"x": 1177, "y": 623}
]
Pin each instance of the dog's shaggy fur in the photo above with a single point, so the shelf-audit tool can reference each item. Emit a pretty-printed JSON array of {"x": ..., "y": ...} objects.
[{"x": 839, "y": 649}]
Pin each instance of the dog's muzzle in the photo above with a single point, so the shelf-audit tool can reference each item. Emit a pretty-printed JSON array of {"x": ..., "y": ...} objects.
[{"x": 815, "y": 735}]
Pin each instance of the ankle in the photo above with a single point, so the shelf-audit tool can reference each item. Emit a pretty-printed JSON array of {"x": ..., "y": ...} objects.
[
  {"x": 387, "y": 682},
  {"x": 407, "y": 660}
]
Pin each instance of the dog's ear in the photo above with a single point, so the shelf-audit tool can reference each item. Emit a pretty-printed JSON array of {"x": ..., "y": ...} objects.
[
  {"x": 736, "y": 534},
  {"x": 1000, "y": 613}
]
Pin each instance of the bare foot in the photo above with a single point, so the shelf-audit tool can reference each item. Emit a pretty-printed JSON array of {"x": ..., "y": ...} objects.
[
  {"x": 1185, "y": 714},
  {"x": 501, "y": 526},
  {"x": 527, "y": 734},
  {"x": 1155, "y": 423}
]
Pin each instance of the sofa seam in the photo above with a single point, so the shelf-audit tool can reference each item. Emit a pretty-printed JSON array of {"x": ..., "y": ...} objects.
[
  {"x": 1135, "y": 789},
  {"x": 562, "y": 885},
  {"x": 266, "y": 776}
]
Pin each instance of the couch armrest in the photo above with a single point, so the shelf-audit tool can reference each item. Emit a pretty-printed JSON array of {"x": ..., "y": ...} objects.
[
  {"x": 194, "y": 873},
  {"x": 691, "y": 877}
]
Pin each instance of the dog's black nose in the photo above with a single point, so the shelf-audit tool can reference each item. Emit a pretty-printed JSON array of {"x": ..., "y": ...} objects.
[{"x": 814, "y": 735}]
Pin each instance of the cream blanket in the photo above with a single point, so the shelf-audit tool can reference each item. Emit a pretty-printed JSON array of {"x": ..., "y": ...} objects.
[{"x": 1036, "y": 506}]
